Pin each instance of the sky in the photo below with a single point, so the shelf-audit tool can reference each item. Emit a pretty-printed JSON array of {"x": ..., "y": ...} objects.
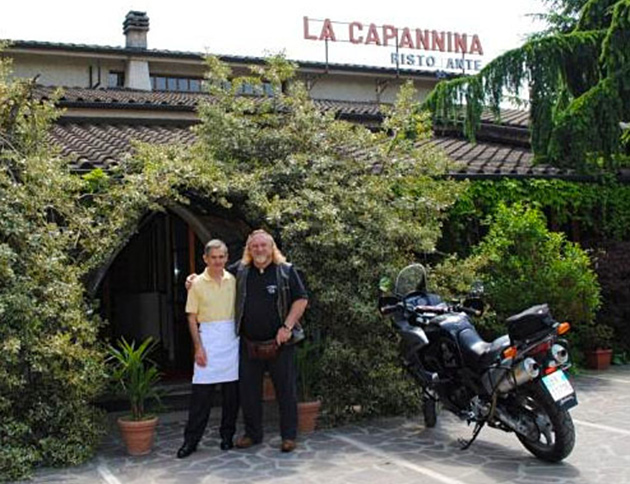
[{"x": 249, "y": 28}]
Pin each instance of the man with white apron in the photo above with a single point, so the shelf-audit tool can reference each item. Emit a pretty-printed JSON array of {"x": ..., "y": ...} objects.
[{"x": 210, "y": 312}]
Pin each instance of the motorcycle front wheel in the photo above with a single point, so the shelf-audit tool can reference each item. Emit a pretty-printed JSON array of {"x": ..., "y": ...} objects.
[{"x": 553, "y": 434}]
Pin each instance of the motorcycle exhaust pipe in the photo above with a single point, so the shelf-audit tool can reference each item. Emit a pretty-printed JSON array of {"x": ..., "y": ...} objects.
[
  {"x": 560, "y": 354},
  {"x": 506, "y": 379}
]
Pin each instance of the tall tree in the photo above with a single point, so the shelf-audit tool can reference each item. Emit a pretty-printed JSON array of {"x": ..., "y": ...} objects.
[
  {"x": 578, "y": 85},
  {"x": 561, "y": 16}
]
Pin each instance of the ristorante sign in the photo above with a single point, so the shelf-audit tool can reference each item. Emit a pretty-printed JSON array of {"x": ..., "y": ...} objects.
[{"x": 444, "y": 50}]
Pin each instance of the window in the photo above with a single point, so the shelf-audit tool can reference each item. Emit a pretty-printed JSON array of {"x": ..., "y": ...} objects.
[
  {"x": 193, "y": 84},
  {"x": 175, "y": 84},
  {"x": 116, "y": 79},
  {"x": 158, "y": 83}
]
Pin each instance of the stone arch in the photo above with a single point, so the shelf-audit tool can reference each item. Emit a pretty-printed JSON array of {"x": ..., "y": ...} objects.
[
  {"x": 195, "y": 221},
  {"x": 140, "y": 285}
]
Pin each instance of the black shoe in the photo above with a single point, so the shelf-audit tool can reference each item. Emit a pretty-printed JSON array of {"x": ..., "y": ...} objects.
[
  {"x": 226, "y": 444},
  {"x": 185, "y": 450}
]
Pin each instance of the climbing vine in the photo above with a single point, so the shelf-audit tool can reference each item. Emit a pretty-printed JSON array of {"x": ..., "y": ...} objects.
[{"x": 599, "y": 210}]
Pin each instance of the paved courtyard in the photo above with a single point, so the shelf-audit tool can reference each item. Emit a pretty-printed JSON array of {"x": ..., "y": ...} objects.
[{"x": 393, "y": 450}]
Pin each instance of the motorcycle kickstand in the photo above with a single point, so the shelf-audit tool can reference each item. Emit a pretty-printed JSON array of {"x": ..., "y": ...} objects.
[{"x": 465, "y": 444}]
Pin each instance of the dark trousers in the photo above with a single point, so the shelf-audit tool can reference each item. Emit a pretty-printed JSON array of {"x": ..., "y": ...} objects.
[
  {"x": 283, "y": 375},
  {"x": 199, "y": 411}
]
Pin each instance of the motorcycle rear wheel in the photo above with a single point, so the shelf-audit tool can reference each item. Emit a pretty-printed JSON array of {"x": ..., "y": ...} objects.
[{"x": 554, "y": 426}]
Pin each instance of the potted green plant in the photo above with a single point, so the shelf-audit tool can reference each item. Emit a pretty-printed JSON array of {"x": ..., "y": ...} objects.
[
  {"x": 598, "y": 342},
  {"x": 308, "y": 369},
  {"x": 136, "y": 375}
]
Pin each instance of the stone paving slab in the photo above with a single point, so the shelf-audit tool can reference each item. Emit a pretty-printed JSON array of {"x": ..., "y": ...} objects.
[{"x": 392, "y": 450}]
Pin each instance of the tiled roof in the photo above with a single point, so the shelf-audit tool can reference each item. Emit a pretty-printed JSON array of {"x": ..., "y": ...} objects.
[
  {"x": 509, "y": 117},
  {"x": 92, "y": 145},
  {"x": 234, "y": 59},
  {"x": 122, "y": 98},
  {"x": 188, "y": 101},
  {"x": 96, "y": 145},
  {"x": 168, "y": 100}
]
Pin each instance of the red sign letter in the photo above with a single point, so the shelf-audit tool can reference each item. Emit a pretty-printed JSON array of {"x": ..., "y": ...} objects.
[
  {"x": 327, "y": 31},
  {"x": 437, "y": 40},
  {"x": 406, "y": 40},
  {"x": 353, "y": 39},
  {"x": 389, "y": 32},
  {"x": 475, "y": 46},
  {"x": 372, "y": 37},
  {"x": 422, "y": 39},
  {"x": 461, "y": 44},
  {"x": 308, "y": 36}
]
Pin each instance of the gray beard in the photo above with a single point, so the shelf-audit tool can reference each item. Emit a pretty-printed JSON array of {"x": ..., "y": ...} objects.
[{"x": 261, "y": 260}]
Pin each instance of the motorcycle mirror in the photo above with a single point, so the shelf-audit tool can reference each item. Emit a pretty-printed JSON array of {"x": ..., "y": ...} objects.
[{"x": 476, "y": 304}]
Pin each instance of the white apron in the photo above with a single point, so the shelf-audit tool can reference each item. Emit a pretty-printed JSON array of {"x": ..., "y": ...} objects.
[{"x": 221, "y": 344}]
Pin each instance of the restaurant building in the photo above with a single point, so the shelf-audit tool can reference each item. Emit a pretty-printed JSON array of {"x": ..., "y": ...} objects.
[{"x": 113, "y": 96}]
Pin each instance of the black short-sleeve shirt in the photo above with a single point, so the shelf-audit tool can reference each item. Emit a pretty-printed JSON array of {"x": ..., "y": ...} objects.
[{"x": 260, "y": 317}]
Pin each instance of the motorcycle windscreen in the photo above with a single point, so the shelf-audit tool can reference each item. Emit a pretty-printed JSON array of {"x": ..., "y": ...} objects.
[{"x": 411, "y": 278}]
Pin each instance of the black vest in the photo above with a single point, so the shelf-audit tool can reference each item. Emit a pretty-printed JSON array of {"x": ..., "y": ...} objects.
[{"x": 284, "y": 291}]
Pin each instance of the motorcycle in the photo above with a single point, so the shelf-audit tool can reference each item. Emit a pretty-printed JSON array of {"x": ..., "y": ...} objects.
[{"x": 516, "y": 383}]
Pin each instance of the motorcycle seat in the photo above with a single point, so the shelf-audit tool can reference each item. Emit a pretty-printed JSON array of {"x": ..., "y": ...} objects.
[{"x": 478, "y": 353}]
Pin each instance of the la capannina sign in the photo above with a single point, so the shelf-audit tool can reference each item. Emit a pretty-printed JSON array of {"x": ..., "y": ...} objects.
[{"x": 414, "y": 47}]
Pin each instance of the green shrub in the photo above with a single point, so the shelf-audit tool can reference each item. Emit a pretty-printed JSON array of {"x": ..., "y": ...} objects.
[
  {"x": 50, "y": 365},
  {"x": 526, "y": 264}
]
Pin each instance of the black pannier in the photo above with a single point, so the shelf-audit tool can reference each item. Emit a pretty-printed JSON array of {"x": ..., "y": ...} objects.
[{"x": 534, "y": 320}]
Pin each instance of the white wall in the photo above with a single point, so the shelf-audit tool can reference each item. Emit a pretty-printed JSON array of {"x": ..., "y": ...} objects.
[
  {"x": 63, "y": 71},
  {"x": 362, "y": 89}
]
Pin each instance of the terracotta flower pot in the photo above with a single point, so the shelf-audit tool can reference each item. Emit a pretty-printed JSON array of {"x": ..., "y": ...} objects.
[
  {"x": 598, "y": 359},
  {"x": 138, "y": 435},
  {"x": 308, "y": 412}
]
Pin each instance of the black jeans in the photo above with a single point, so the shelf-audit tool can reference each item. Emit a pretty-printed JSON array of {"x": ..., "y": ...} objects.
[
  {"x": 283, "y": 374},
  {"x": 199, "y": 411}
]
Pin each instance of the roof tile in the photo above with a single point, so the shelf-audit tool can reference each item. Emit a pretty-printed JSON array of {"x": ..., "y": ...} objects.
[{"x": 100, "y": 145}]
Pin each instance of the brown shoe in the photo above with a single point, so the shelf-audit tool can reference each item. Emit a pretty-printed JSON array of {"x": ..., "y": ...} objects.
[
  {"x": 288, "y": 445},
  {"x": 245, "y": 442}
]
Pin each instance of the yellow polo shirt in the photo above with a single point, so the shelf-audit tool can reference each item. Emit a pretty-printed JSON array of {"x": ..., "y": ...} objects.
[{"x": 212, "y": 301}]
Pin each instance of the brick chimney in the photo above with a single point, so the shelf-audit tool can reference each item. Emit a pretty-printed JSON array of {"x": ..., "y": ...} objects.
[{"x": 135, "y": 28}]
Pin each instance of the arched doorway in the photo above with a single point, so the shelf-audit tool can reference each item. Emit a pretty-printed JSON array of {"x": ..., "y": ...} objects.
[{"x": 142, "y": 290}]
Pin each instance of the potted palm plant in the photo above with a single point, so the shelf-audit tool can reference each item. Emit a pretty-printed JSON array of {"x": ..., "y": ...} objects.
[
  {"x": 307, "y": 368},
  {"x": 136, "y": 375}
]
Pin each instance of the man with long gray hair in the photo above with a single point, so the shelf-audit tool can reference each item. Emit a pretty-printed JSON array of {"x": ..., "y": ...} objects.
[{"x": 270, "y": 300}]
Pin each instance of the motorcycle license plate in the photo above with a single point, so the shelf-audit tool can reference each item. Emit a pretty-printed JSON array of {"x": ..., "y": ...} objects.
[{"x": 560, "y": 389}]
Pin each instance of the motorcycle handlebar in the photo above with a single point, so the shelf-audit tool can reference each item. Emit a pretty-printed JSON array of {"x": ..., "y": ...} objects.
[
  {"x": 446, "y": 309},
  {"x": 431, "y": 309},
  {"x": 389, "y": 309}
]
